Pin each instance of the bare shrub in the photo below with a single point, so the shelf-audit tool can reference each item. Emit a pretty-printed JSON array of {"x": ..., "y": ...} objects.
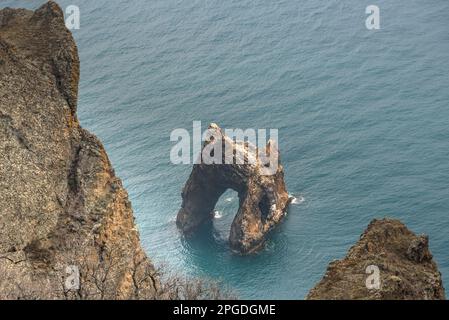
[{"x": 178, "y": 287}]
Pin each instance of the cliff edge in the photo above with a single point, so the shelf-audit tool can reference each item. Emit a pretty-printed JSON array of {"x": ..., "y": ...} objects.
[
  {"x": 399, "y": 259},
  {"x": 63, "y": 212}
]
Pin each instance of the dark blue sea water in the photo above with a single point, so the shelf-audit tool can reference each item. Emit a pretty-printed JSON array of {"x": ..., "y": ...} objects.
[{"x": 363, "y": 119}]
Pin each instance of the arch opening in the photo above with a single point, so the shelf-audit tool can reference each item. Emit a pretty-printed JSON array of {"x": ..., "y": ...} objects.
[{"x": 225, "y": 211}]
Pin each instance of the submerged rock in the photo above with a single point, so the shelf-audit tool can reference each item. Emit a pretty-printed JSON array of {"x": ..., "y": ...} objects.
[
  {"x": 405, "y": 267},
  {"x": 263, "y": 198},
  {"x": 61, "y": 205}
]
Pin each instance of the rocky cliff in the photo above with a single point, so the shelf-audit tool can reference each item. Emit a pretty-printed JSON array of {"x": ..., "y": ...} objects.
[
  {"x": 405, "y": 267},
  {"x": 61, "y": 204}
]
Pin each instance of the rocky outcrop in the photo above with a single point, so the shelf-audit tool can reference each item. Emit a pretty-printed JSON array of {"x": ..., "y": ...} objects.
[
  {"x": 263, "y": 198},
  {"x": 406, "y": 270},
  {"x": 61, "y": 204}
]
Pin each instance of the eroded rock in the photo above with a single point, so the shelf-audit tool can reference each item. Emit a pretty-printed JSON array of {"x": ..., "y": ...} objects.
[
  {"x": 406, "y": 268},
  {"x": 60, "y": 201},
  {"x": 263, "y": 197}
]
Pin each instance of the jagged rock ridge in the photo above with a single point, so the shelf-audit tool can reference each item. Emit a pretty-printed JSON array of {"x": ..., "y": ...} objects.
[
  {"x": 263, "y": 198},
  {"x": 406, "y": 268},
  {"x": 60, "y": 201}
]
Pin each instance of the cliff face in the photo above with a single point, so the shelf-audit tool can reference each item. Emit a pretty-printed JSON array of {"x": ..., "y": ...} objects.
[
  {"x": 60, "y": 201},
  {"x": 406, "y": 268}
]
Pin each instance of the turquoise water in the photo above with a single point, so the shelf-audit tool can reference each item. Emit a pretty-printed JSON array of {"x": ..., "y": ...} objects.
[{"x": 363, "y": 119}]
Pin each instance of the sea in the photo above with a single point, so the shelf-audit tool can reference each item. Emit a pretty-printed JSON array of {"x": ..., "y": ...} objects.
[{"x": 362, "y": 116}]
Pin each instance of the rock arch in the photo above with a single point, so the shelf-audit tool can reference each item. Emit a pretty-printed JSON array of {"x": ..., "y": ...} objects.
[{"x": 263, "y": 199}]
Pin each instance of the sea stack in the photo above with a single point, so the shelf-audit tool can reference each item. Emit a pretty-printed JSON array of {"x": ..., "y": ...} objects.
[
  {"x": 263, "y": 198},
  {"x": 388, "y": 250}
]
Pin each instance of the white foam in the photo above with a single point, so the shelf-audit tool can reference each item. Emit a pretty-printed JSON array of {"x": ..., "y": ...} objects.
[
  {"x": 217, "y": 214},
  {"x": 297, "y": 200}
]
